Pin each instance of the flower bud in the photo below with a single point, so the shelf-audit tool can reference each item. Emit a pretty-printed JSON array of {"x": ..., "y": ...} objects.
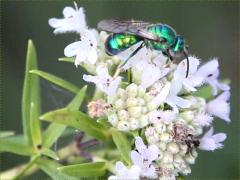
[
  {"x": 135, "y": 111},
  {"x": 143, "y": 120},
  {"x": 141, "y": 91},
  {"x": 123, "y": 126},
  {"x": 162, "y": 146},
  {"x": 134, "y": 124},
  {"x": 187, "y": 115},
  {"x": 119, "y": 104},
  {"x": 113, "y": 119},
  {"x": 167, "y": 158},
  {"x": 132, "y": 90},
  {"x": 165, "y": 137},
  {"x": 151, "y": 106},
  {"x": 123, "y": 115},
  {"x": 160, "y": 127},
  {"x": 190, "y": 159},
  {"x": 173, "y": 148},
  {"x": 131, "y": 102},
  {"x": 122, "y": 94}
]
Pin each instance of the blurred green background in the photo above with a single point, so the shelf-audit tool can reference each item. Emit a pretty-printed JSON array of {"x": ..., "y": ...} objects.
[{"x": 210, "y": 28}]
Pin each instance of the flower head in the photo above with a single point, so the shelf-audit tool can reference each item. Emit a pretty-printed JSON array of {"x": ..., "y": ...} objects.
[
  {"x": 210, "y": 142},
  {"x": 73, "y": 21}
]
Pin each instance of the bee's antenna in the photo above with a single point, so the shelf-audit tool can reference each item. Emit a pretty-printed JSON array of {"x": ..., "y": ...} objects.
[{"x": 186, "y": 56}]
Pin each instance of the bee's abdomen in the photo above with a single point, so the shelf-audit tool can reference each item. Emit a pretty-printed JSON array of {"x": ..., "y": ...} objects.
[{"x": 117, "y": 43}]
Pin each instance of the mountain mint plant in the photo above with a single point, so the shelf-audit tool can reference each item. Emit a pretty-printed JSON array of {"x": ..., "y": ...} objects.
[{"x": 150, "y": 119}]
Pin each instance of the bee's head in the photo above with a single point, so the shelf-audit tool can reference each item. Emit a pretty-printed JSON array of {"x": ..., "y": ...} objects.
[{"x": 179, "y": 47}]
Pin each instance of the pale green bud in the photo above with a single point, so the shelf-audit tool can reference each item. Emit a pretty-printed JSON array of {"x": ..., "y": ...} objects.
[
  {"x": 141, "y": 91},
  {"x": 131, "y": 102},
  {"x": 187, "y": 115},
  {"x": 119, "y": 104},
  {"x": 134, "y": 123},
  {"x": 160, "y": 127},
  {"x": 186, "y": 170},
  {"x": 123, "y": 115},
  {"x": 167, "y": 158},
  {"x": 143, "y": 121},
  {"x": 122, "y": 93},
  {"x": 141, "y": 101},
  {"x": 132, "y": 90},
  {"x": 165, "y": 137},
  {"x": 173, "y": 148},
  {"x": 135, "y": 111},
  {"x": 113, "y": 119},
  {"x": 151, "y": 106},
  {"x": 162, "y": 146},
  {"x": 147, "y": 97},
  {"x": 144, "y": 110},
  {"x": 190, "y": 159},
  {"x": 123, "y": 126}
]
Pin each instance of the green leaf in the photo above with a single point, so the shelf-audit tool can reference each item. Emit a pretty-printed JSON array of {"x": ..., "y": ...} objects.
[
  {"x": 122, "y": 144},
  {"x": 8, "y": 145},
  {"x": 52, "y": 133},
  {"x": 31, "y": 92},
  {"x": 104, "y": 122},
  {"x": 204, "y": 92},
  {"x": 56, "y": 80},
  {"x": 65, "y": 59},
  {"x": 6, "y": 134},
  {"x": 78, "y": 99},
  {"x": 77, "y": 120},
  {"x": 35, "y": 126},
  {"x": 85, "y": 170},
  {"x": 55, "y": 130},
  {"x": 50, "y": 153},
  {"x": 50, "y": 168}
]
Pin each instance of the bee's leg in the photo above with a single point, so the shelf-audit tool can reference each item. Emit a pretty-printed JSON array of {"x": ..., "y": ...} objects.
[
  {"x": 133, "y": 53},
  {"x": 170, "y": 58},
  {"x": 185, "y": 54}
]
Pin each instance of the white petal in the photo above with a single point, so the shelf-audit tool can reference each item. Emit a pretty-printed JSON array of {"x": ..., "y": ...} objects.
[
  {"x": 161, "y": 97},
  {"x": 153, "y": 152},
  {"x": 180, "y": 102},
  {"x": 120, "y": 167},
  {"x": 68, "y": 12},
  {"x": 150, "y": 172},
  {"x": 113, "y": 86},
  {"x": 136, "y": 158},
  {"x": 72, "y": 49},
  {"x": 209, "y": 68},
  {"x": 140, "y": 146}
]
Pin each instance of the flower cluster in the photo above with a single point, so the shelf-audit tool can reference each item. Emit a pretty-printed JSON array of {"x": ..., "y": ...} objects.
[{"x": 157, "y": 100}]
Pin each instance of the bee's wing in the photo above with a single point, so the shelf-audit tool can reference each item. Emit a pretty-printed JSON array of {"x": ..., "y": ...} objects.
[{"x": 138, "y": 28}]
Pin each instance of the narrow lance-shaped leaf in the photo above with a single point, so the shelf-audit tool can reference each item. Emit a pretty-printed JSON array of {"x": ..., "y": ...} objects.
[
  {"x": 122, "y": 144},
  {"x": 85, "y": 170},
  {"x": 65, "y": 59},
  {"x": 31, "y": 92},
  {"x": 12, "y": 146},
  {"x": 35, "y": 127},
  {"x": 55, "y": 130},
  {"x": 56, "y": 80},
  {"x": 6, "y": 134},
  {"x": 77, "y": 120},
  {"x": 50, "y": 168},
  {"x": 50, "y": 153}
]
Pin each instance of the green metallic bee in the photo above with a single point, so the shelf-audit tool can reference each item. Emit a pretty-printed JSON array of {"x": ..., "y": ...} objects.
[{"x": 161, "y": 37}]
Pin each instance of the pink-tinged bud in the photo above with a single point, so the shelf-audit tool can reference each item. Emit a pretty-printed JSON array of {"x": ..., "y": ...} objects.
[{"x": 97, "y": 108}]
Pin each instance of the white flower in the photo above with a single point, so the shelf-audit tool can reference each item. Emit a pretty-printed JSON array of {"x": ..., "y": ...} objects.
[
  {"x": 104, "y": 81},
  {"x": 210, "y": 73},
  {"x": 85, "y": 50},
  {"x": 203, "y": 119},
  {"x": 151, "y": 73},
  {"x": 123, "y": 173},
  {"x": 73, "y": 21},
  {"x": 220, "y": 107},
  {"x": 189, "y": 83},
  {"x": 144, "y": 157},
  {"x": 210, "y": 142},
  {"x": 165, "y": 116}
]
